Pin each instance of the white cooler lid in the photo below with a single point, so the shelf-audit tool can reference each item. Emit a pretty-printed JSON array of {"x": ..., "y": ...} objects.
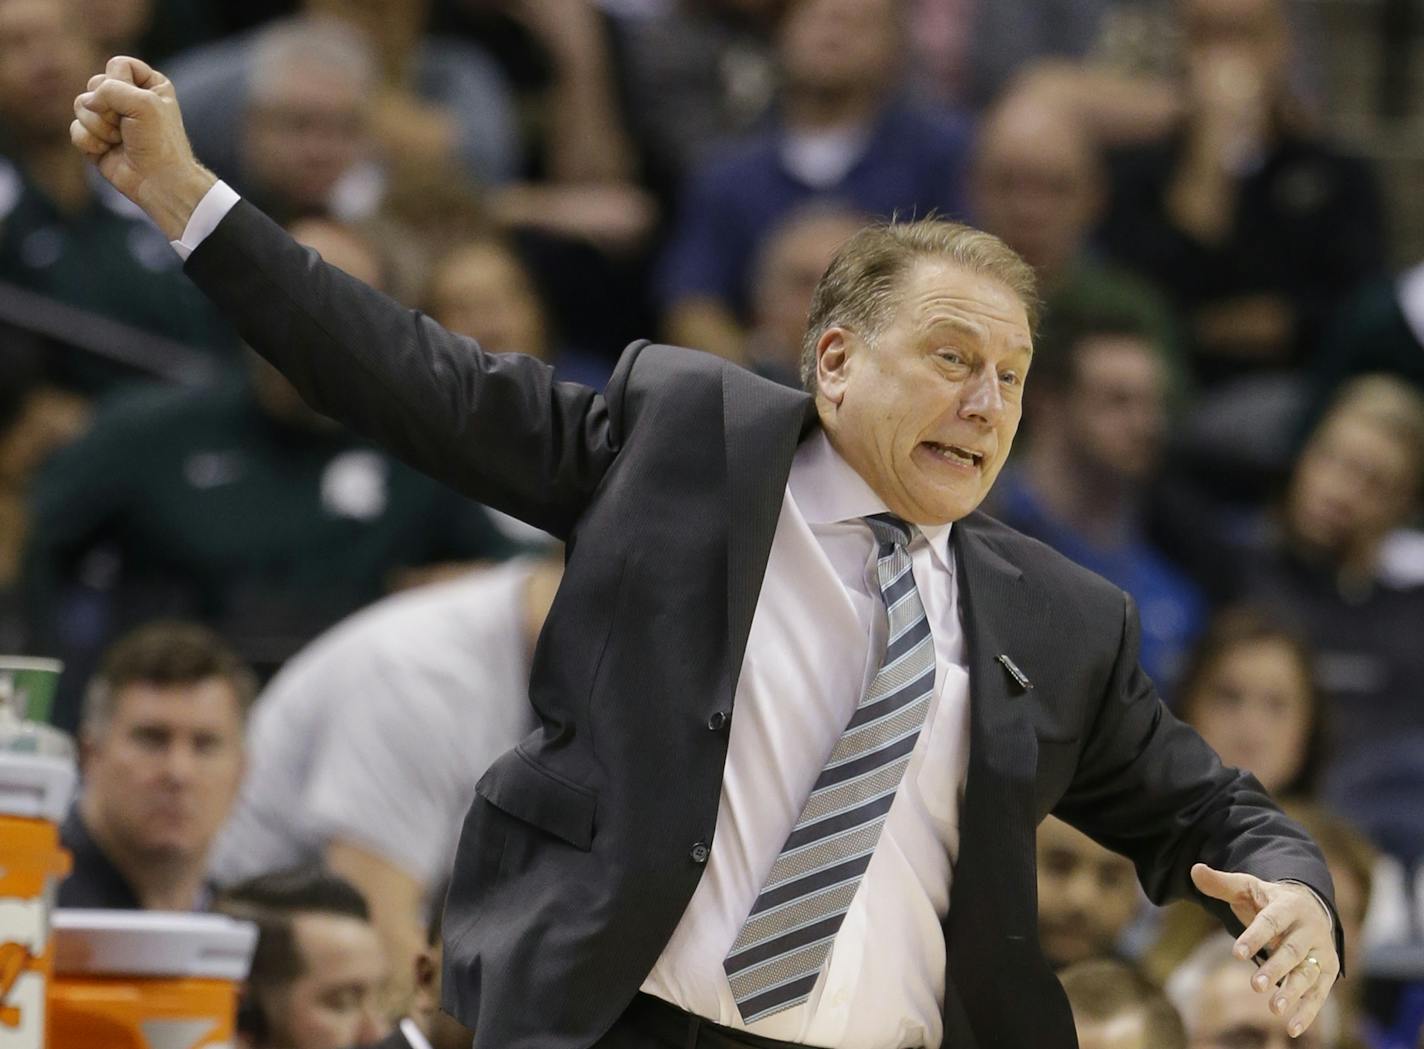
[
  {"x": 35, "y": 786},
  {"x": 152, "y": 943}
]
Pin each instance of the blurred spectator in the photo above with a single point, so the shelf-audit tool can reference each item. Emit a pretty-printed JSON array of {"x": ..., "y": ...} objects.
[
  {"x": 1249, "y": 689},
  {"x": 1007, "y": 36},
  {"x": 1037, "y": 181},
  {"x": 162, "y": 756},
  {"x": 305, "y": 142},
  {"x": 237, "y": 505},
  {"x": 1098, "y": 410},
  {"x": 1246, "y": 216},
  {"x": 66, "y": 233},
  {"x": 789, "y": 263},
  {"x": 1224, "y": 1012},
  {"x": 374, "y": 787},
  {"x": 436, "y": 101},
  {"x": 1317, "y": 566},
  {"x": 35, "y": 421},
  {"x": 1087, "y": 895},
  {"x": 481, "y": 288},
  {"x": 697, "y": 72},
  {"x": 426, "y": 1025},
  {"x": 1116, "y": 1007},
  {"x": 318, "y": 967},
  {"x": 1380, "y": 330},
  {"x": 841, "y": 132}
]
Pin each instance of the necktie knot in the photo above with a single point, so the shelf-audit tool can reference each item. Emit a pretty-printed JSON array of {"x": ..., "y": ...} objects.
[{"x": 889, "y": 529}]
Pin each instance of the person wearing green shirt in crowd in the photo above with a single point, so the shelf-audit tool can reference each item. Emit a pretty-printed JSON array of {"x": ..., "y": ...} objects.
[
  {"x": 236, "y": 505},
  {"x": 64, "y": 232}
]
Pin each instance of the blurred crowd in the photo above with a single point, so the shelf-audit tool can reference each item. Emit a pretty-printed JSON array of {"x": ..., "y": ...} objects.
[{"x": 290, "y": 657}]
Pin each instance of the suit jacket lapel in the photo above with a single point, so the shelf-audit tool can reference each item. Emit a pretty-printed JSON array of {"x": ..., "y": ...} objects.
[
  {"x": 763, "y": 422},
  {"x": 993, "y": 879}
]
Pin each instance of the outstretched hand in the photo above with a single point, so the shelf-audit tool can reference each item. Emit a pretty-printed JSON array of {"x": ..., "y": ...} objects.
[
  {"x": 1291, "y": 924},
  {"x": 128, "y": 123}
]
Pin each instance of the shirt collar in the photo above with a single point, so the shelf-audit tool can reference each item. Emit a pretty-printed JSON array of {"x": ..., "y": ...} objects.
[{"x": 827, "y": 490}]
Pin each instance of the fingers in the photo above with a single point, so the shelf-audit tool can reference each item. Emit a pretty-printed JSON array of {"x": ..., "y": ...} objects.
[
  {"x": 1314, "y": 997},
  {"x": 121, "y": 97},
  {"x": 1291, "y": 953},
  {"x": 1227, "y": 886},
  {"x": 135, "y": 71},
  {"x": 87, "y": 143},
  {"x": 1299, "y": 980},
  {"x": 95, "y": 81},
  {"x": 101, "y": 125},
  {"x": 1272, "y": 923}
]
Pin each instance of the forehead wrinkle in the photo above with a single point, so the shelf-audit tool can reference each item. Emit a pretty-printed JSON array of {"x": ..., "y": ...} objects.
[{"x": 977, "y": 329}]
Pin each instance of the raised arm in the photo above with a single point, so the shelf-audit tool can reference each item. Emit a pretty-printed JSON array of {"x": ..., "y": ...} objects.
[{"x": 496, "y": 427}]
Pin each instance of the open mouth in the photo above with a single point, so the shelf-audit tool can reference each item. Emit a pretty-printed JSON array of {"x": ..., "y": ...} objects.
[{"x": 957, "y": 454}]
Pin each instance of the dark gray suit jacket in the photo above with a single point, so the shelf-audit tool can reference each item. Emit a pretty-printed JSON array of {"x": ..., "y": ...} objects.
[{"x": 585, "y": 843}]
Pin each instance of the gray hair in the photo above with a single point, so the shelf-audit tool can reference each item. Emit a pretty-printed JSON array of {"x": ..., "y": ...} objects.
[
  {"x": 292, "y": 45},
  {"x": 861, "y": 288}
]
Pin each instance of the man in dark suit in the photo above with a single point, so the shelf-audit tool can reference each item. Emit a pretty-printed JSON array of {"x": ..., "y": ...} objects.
[{"x": 759, "y": 774}]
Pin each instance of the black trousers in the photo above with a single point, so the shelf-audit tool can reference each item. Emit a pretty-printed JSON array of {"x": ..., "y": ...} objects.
[{"x": 651, "y": 1023}]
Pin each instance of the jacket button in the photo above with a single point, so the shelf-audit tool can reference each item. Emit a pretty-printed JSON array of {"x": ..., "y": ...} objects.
[
  {"x": 699, "y": 852},
  {"x": 718, "y": 720}
]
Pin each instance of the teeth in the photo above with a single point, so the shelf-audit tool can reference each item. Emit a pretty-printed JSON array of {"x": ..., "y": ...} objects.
[{"x": 962, "y": 455}]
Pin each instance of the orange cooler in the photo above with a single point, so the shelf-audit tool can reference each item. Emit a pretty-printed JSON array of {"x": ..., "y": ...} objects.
[
  {"x": 35, "y": 790},
  {"x": 147, "y": 979}
]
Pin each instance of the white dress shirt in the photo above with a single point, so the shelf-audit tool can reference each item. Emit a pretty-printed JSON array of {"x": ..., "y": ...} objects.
[{"x": 815, "y": 645}]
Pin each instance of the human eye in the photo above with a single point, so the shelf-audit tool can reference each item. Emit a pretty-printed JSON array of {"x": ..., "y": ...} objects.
[
  {"x": 1010, "y": 378},
  {"x": 950, "y": 356}
]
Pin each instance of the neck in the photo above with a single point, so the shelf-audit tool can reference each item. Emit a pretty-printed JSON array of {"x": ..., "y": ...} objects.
[
  {"x": 1094, "y": 503},
  {"x": 830, "y": 109},
  {"x": 58, "y": 169},
  {"x": 161, "y": 882}
]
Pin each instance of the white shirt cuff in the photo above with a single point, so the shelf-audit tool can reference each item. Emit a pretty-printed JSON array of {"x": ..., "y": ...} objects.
[{"x": 216, "y": 203}]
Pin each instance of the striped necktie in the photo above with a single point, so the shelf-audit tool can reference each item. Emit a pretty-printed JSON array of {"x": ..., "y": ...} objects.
[{"x": 775, "y": 960}]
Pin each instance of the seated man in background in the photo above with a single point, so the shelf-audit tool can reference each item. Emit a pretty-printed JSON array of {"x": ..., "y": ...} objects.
[
  {"x": 318, "y": 968},
  {"x": 162, "y": 756},
  {"x": 1087, "y": 895},
  {"x": 426, "y": 1025},
  {"x": 65, "y": 233},
  {"x": 842, "y": 132},
  {"x": 367, "y": 746},
  {"x": 1255, "y": 224},
  {"x": 1038, "y": 180},
  {"x": 1224, "y": 1012},
  {"x": 237, "y": 506},
  {"x": 1116, "y": 1007},
  {"x": 1098, "y": 405}
]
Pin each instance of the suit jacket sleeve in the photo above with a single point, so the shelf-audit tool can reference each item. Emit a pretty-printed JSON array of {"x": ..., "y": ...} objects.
[
  {"x": 1149, "y": 787},
  {"x": 494, "y": 426}
]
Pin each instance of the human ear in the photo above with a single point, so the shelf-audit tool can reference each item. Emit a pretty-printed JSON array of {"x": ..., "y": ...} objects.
[{"x": 834, "y": 350}]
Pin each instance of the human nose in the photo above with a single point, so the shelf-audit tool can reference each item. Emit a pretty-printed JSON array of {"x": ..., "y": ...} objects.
[
  {"x": 370, "y": 1027},
  {"x": 180, "y": 764},
  {"x": 981, "y": 398}
]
